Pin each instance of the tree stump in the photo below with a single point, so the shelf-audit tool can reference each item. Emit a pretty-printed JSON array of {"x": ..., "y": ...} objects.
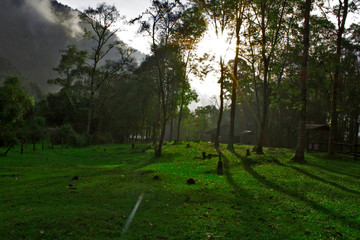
[
  {"x": 203, "y": 155},
  {"x": 247, "y": 152}
]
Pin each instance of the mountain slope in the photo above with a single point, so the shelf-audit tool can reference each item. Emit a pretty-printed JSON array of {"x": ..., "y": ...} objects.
[{"x": 32, "y": 34}]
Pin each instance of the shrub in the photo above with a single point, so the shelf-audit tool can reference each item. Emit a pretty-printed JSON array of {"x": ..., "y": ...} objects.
[{"x": 65, "y": 134}]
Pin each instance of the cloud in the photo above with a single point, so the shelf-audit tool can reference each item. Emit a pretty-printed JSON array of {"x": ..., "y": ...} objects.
[
  {"x": 69, "y": 20},
  {"x": 71, "y": 23},
  {"x": 42, "y": 7}
]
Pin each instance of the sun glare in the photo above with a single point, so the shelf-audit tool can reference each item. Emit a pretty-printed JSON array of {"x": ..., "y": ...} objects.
[
  {"x": 218, "y": 46},
  {"x": 215, "y": 45}
]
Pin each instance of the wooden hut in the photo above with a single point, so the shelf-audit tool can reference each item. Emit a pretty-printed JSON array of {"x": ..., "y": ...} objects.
[{"x": 317, "y": 137}]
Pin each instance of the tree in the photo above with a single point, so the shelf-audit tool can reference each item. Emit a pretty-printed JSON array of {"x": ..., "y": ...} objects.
[
  {"x": 37, "y": 131},
  {"x": 204, "y": 119},
  {"x": 61, "y": 108},
  {"x": 70, "y": 67},
  {"x": 239, "y": 10},
  {"x": 223, "y": 76},
  {"x": 267, "y": 19},
  {"x": 187, "y": 96},
  {"x": 351, "y": 69},
  {"x": 189, "y": 30},
  {"x": 100, "y": 20},
  {"x": 219, "y": 14},
  {"x": 341, "y": 14},
  {"x": 87, "y": 76},
  {"x": 299, "y": 155},
  {"x": 15, "y": 106},
  {"x": 163, "y": 17}
]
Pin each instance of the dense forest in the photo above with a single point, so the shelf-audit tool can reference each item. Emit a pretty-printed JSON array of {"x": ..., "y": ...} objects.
[{"x": 293, "y": 63}]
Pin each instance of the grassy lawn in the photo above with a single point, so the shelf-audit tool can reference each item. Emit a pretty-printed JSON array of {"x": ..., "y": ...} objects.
[{"x": 257, "y": 197}]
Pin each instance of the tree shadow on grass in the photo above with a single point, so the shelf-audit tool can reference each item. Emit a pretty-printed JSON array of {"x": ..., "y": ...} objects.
[
  {"x": 333, "y": 171},
  {"x": 317, "y": 178},
  {"x": 245, "y": 199},
  {"x": 247, "y": 165}
]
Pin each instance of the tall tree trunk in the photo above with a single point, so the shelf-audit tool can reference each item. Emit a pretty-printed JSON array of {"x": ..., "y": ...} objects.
[
  {"x": 221, "y": 108},
  {"x": 91, "y": 100},
  {"x": 158, "y": 149},
  {"x": 333, "y": 117},
  {"x": 156, "y": 125},
  {"x": 239, "y": 19},
  {"x": 154, "y": 134},
  {"x": 343, "y": 10},
  {"x": 266, "y": 58},
  {"x": 299, "y": 155},
  {"x": 263, "y": 122},
  {"x": 148, "y": 132},
  {"x": 356, "y": 136},
  {"x": 180, "y": 115},
  {"x": 162, "y": 110},
  {"x": 142, "y": 131},
  {"x": 232, "y": 111},
  {"x": 171, "y": 129},
  {"x": 90, "y": 114}
]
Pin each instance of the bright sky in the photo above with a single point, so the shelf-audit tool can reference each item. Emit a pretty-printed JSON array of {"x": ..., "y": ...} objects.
[{"x": 133, "y": 8}]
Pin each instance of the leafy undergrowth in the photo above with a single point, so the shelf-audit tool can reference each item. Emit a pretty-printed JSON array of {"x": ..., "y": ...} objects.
[{"x": 257, "y": 197}]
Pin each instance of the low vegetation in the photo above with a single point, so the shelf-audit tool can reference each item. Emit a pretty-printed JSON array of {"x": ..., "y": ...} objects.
[{"x": 89, "y": 193}]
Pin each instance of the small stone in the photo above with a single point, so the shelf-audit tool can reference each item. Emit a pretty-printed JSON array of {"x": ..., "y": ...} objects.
[{"x": 190, "y": 181}]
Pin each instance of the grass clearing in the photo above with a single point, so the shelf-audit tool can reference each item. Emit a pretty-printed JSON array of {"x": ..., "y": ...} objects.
[{"x": 258, "y": 197}]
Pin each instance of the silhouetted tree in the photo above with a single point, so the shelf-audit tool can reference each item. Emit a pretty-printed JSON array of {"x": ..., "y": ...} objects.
[{"x": 15, "y": 106}]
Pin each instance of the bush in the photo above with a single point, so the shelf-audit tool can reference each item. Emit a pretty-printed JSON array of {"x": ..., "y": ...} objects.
[{"x": 65, "y": 134}]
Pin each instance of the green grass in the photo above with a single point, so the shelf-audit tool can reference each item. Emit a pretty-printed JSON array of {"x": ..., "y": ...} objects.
[{"x": 258, "y": 197}]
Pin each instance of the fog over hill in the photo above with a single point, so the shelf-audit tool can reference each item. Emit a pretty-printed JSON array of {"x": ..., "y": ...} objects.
[{"x": 32, "y": 34}]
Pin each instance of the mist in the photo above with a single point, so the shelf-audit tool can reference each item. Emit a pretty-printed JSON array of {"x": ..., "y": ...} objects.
[{"x": 33, "y": 33}]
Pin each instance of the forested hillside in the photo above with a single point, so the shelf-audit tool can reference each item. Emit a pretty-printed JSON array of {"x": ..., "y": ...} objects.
[{"x": 33, "y": 34}]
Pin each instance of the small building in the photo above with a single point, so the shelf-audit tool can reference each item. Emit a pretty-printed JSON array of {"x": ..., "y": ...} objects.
[
  {"x": 248, "y": 137},
  {"x": 241, "y": 137},
  {"x": 317, "y": 137}
]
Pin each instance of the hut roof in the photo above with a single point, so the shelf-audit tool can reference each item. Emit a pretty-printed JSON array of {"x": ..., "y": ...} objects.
[
  {"x": 247, "y": 132},
  {"x": 225, "y": 129}
]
